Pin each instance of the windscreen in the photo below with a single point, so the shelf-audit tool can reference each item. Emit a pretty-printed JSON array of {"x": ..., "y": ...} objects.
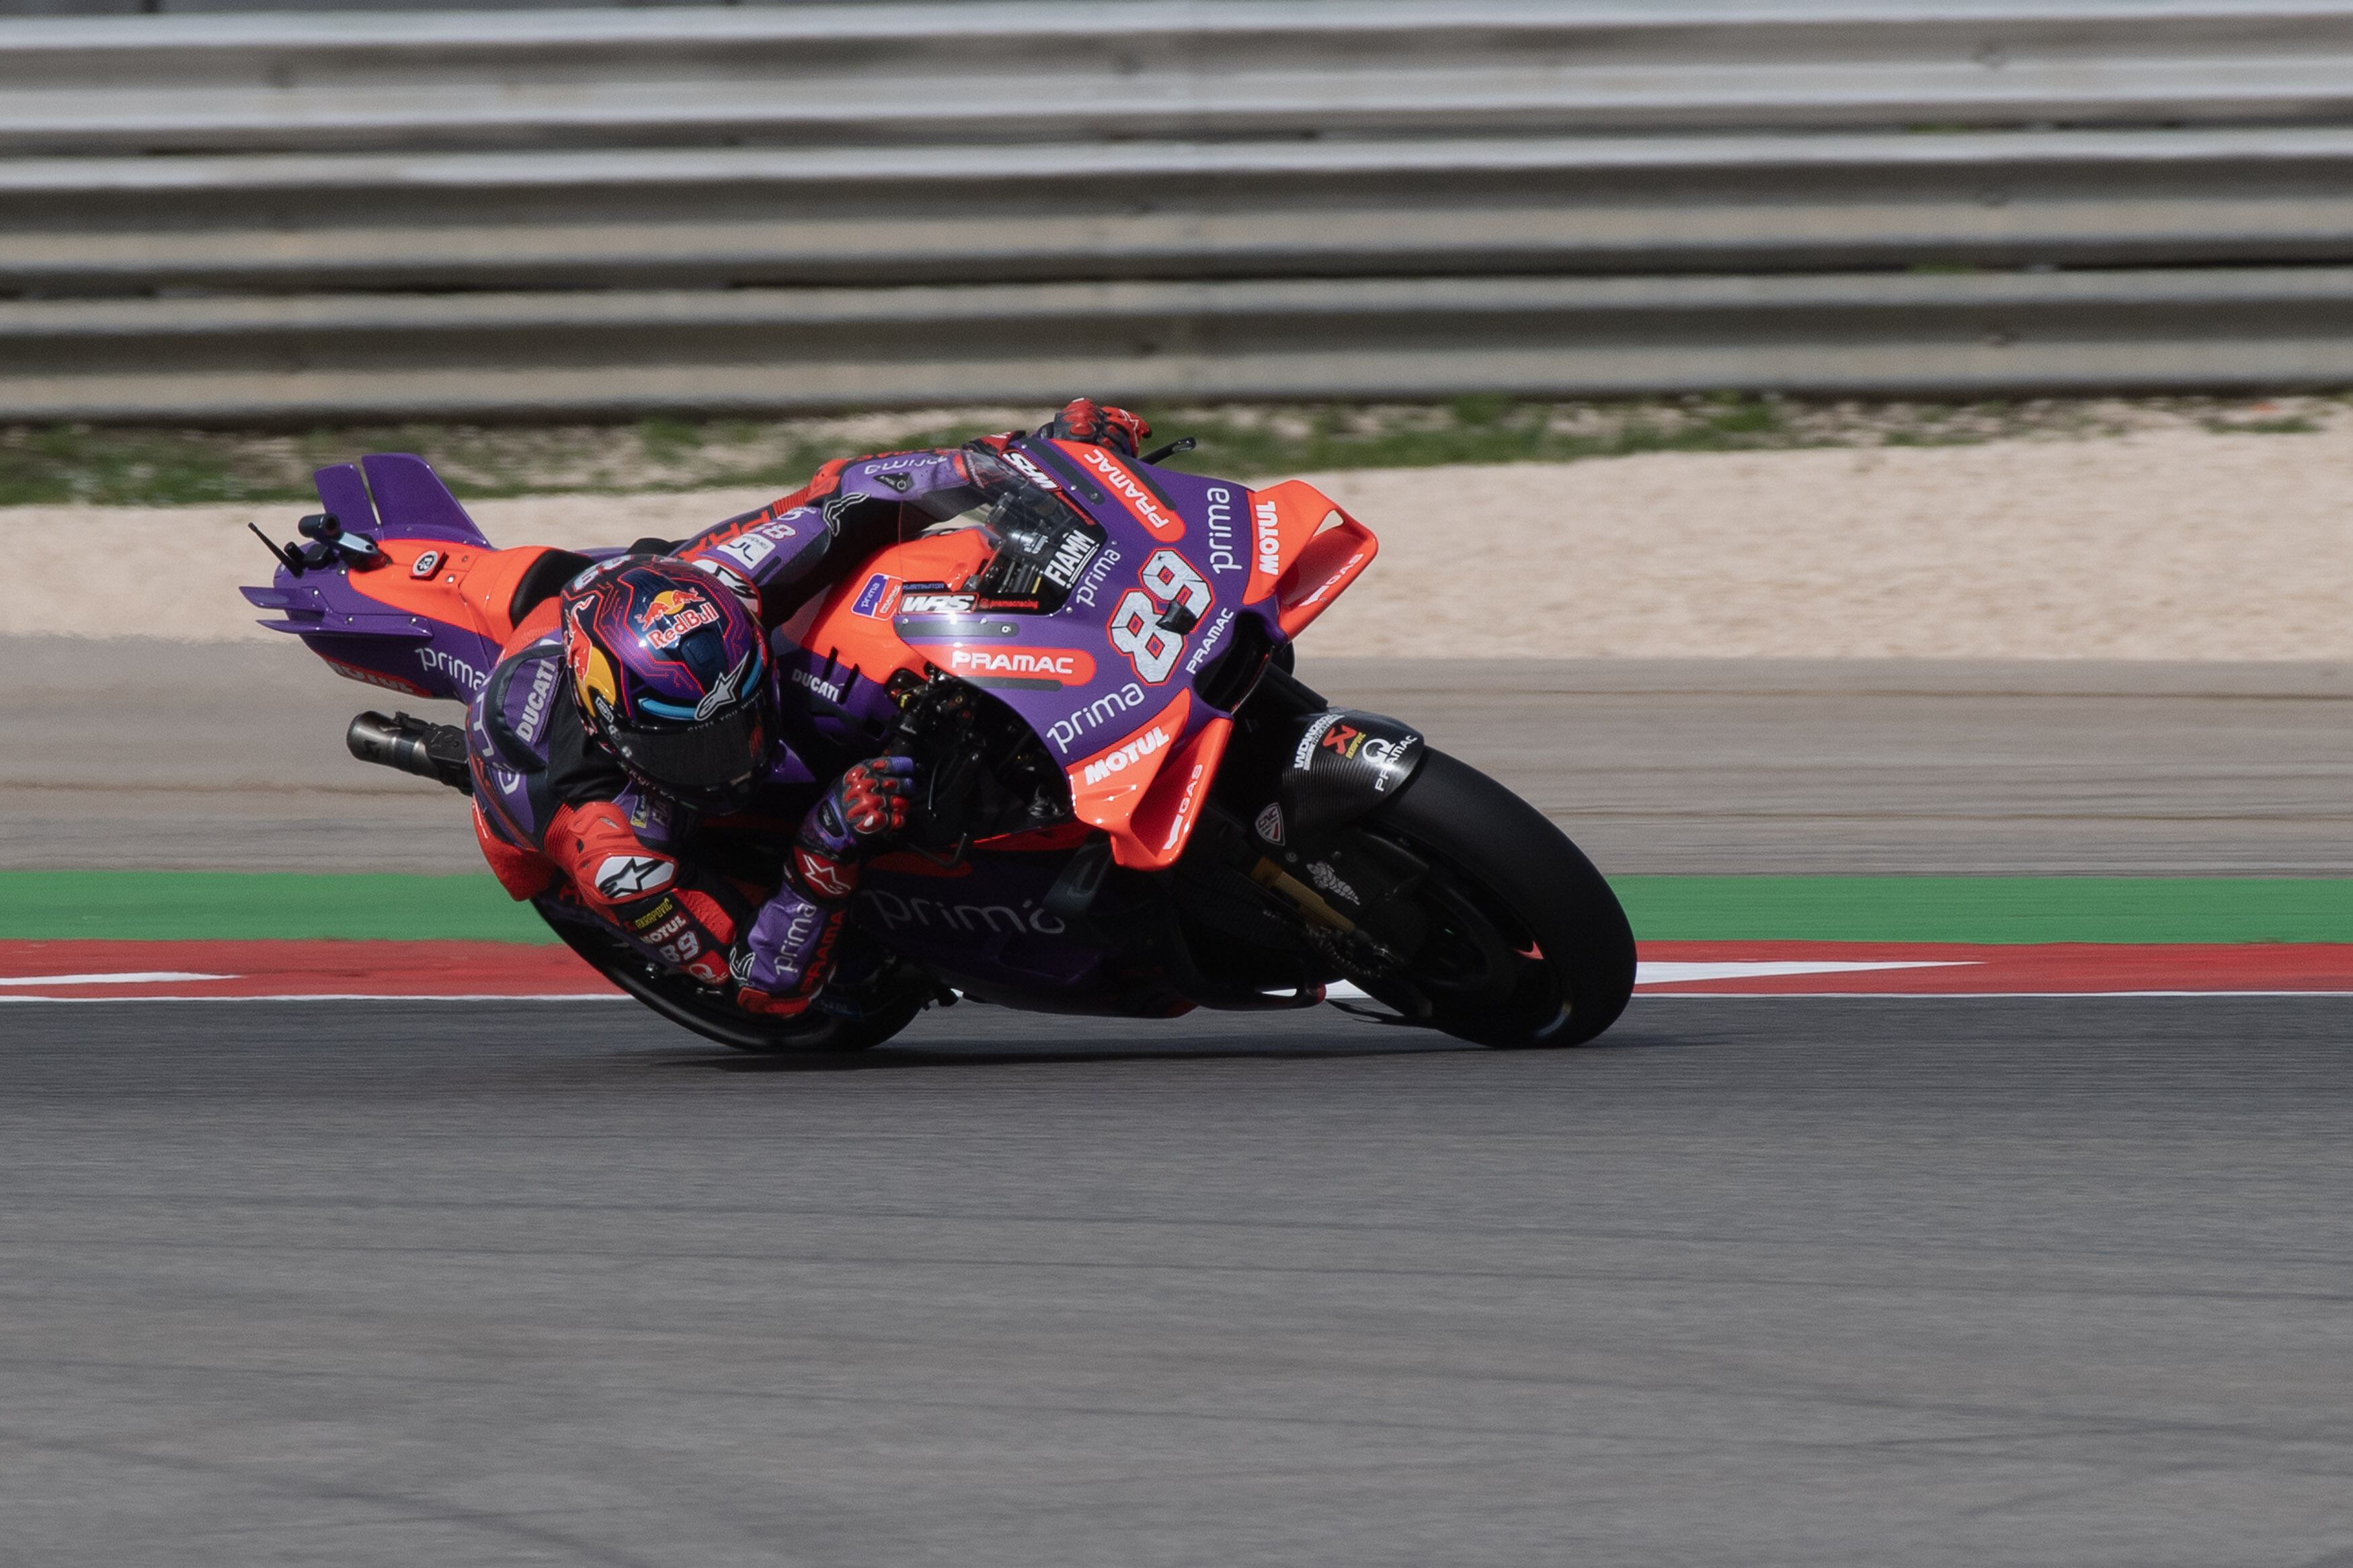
[{"x": 1043, "y": 544}]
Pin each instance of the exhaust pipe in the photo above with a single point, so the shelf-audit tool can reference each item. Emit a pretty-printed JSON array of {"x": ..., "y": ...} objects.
[{"x": 435, "y": 752}]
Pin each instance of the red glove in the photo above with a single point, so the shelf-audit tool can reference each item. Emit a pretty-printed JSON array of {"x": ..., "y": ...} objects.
[
  {"x": 1085, "y": 419},
  {"x": 865, "y": 808}
]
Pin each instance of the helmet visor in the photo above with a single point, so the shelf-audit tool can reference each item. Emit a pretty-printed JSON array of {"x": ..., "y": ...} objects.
[{"x": 714, "y": 760}]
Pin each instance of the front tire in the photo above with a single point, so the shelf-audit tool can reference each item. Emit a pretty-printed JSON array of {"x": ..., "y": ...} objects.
[
  {"x": 691, "y": 1007},
  {"x": 1528, "y": 946}
]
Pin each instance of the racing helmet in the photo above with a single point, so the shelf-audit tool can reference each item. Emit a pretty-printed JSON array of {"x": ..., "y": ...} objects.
[{"x": 671, "y": 672}]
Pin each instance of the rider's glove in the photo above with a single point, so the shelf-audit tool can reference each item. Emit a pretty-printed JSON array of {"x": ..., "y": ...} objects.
[
  {"x": 783, "y": 959},
  {"x": 1085, "y": 419},
  {"x": 865, "y": 808}
]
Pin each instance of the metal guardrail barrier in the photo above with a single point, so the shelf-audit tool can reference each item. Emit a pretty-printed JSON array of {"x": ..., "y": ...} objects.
[{"x": 287, "y": 215}]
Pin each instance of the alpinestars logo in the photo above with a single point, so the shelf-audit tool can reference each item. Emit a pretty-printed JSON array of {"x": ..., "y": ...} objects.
[
  {"x": 627, "y": 876},
  {"x": 837, "y": 505},
  {"x": 824, "y": 876},
  {"x": 723, "y": 696},
  {"x": 1127, "y": 757}
]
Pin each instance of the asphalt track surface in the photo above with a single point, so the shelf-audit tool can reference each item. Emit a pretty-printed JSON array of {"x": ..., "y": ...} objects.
[
  {"x": 2058, "y": 1281},
  {"x": 230, "y": 756},
  {"x": 1867, "y": 1281}
]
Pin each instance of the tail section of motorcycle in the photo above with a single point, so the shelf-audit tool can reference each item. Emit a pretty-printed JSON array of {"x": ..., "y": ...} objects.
[{"x": 394, "y": 585}]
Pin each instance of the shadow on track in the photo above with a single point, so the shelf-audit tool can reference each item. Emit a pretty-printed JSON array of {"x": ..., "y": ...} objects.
[
  {"x": 891, "y": 1059},
  {"x": 1091, "y": 1049}
]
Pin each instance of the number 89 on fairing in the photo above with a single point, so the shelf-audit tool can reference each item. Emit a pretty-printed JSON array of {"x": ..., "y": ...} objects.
[{"x": 1169, "y": 581}]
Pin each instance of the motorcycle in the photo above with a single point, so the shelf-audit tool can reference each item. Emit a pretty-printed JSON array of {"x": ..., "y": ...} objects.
[{"x": 1130, "y": 804}]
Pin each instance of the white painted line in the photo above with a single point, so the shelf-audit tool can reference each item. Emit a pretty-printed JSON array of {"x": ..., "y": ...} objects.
[
  {"x": 1335, "y": 990},
  {"x": 1668, "y": 973},
  {"x": 348, "y": 997},
  {"x": 1953, "y": 995},
  {"x": 127, "y": 977}
]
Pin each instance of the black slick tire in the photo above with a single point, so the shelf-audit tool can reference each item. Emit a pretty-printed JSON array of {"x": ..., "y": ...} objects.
[{"x": 1507, "y": 855}]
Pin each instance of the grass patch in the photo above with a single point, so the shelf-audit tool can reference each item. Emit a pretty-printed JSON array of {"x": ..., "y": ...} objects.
[
  {"x": 238, "y": 906},
  {"x": 2292, "y": 427},
  {"x": 136, "y": 906},
  {"x": 81, "y": 464},
  {"x": 1989, "y": 908}
]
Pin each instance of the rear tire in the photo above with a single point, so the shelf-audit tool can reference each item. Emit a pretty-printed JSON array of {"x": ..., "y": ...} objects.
[{"x": 1509, "y": 877}]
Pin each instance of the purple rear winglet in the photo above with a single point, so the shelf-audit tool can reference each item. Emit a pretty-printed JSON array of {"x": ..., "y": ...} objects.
[
  {"x": 413, "y": 501},
  {"x": 343, "y": 493}
]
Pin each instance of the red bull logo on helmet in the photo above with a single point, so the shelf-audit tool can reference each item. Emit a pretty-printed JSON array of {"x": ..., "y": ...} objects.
[{"x": 674, "y": 613}]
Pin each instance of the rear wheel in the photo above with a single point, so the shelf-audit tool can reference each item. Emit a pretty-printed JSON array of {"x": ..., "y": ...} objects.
[
  {"x": 898, "y": 995},
  {"x": 1517, "y": 940}
]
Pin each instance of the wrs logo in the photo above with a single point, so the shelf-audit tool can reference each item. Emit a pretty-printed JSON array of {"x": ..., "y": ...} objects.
[
  {"x": 1127, "y": 757},
  {"x": 1030, "y": 470}
]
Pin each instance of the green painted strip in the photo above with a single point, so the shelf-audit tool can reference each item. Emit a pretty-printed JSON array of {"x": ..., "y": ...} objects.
[
  {"x": 1989, "y": 908},
  {"x": 186, "y": 906},
  {"x": 132, "y": 906}
]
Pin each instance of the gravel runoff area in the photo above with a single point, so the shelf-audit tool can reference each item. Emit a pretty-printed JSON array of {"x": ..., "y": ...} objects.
[{"x": 2164, "y": 543}]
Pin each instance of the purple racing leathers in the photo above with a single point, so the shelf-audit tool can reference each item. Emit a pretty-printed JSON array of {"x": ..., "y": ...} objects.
[
  {"x": 794, "y": 547},
  {"x": 788, "y": 952},
  {"x": 556, "y": 813}
]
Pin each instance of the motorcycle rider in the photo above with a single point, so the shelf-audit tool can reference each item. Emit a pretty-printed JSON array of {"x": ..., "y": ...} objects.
[{"x": 601, "y": 746}]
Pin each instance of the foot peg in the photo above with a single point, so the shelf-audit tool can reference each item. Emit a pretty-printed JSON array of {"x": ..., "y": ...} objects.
[{"x": 435, "y": 752}]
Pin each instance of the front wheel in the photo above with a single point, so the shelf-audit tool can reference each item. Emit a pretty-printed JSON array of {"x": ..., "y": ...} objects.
[
  {"x": 900, "y": 996},
  {"x": 1516, "y": 939}
]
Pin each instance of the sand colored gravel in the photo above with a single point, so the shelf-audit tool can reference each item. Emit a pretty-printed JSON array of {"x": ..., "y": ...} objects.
[
  {"x": 2175, "y": 544},
  {"x": 174, "y": 572}
]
